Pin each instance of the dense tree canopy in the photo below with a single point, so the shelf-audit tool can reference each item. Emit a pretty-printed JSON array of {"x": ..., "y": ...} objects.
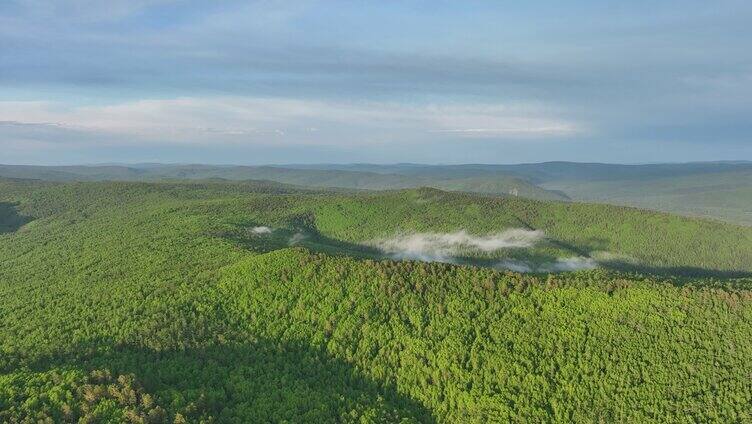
[{"x": 135, "y": 302}]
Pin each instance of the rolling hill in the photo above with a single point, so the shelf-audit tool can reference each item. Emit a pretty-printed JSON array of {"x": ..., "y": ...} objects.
[
  {"x": 723, "y": 195},
  {"x": 719, "y": 190},
  {"x": 329, "y": 178},
  {"x": 215, "y": 301}
]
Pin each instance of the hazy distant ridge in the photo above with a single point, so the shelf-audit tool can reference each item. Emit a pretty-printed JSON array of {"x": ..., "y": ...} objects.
[{"x": 720, "y": 190}]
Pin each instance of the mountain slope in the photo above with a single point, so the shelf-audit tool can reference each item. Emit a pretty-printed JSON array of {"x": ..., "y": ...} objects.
[{"x": 159, "y": 302}]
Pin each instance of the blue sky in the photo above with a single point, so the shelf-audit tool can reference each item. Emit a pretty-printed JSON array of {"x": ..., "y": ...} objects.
[{"x": 250, "y": 82}]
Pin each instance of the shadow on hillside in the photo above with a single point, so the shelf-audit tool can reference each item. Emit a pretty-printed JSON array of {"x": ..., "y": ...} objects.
[
  {"x": 296, "y": 234},
  {"x": 331, "y": 246},
  {"x": 598, "y": 244},
  {"x": 10, "y": 219},
  {"x": 673, "y": 271},
  {"x": 300, "y": 230},
  {"x": 262, "y": 381}
]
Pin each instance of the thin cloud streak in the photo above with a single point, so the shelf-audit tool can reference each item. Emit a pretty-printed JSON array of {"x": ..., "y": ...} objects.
[{"x": 239, "y": 119}]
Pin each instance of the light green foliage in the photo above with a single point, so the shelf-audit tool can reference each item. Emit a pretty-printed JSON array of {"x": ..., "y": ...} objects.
[
  {"x": 660, "y": 242},
  {"x": 507, "y": 348},
  {"x": 145, "y": 302}
]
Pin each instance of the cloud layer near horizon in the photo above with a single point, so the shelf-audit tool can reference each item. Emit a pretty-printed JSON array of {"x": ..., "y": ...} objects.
[
  {"x": 221, "y": 120},
  {"x": 170, "y": 80}
]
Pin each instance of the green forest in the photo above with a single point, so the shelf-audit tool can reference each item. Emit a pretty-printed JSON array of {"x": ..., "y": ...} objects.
[
  {"x": 219, "y": 301},
  {"x": 715, "y": 190}
]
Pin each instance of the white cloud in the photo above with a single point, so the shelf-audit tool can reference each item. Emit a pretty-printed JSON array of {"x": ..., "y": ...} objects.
[
  {"x": 296, "y": 238},
  {"x": 212, "y": 120},
  {"x": 575, "y": 263},
  {"x": 448, "y": 247},
  {"x": 444, "y": 247},
  {"x": 261, "y": 230},
  {"x": 513, "y": 265},
  {"x": 86, "y": 10},
  {"x": 524, "y": 128}
]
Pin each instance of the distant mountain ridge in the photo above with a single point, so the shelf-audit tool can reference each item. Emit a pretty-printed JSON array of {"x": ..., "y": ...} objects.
[
  {"x": 719, "y": 190},
  {"x": 548, "y": 171},
  {"x": 334, "y": 178}
]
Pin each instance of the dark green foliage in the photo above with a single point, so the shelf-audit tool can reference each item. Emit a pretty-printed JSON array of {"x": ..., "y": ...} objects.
[
  {"x": 136, "y": 302},
  {"x": 70, "y": 395},
  {"x": 499, "y": 347},
  {"x": 228, "y": 382},
  {"x": 10, "y": 220},
  {"x": 656, "y": 242}
]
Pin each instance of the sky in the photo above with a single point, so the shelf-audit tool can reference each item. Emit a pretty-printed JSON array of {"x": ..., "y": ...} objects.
[{"x": 259, "y": 82}]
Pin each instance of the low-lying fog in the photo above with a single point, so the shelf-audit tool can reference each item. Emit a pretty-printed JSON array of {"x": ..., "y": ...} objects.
[
  {"x": 448, "y": 247},
  {"x": 451, "y": 247},
  {"x": 445, "y": 247}
]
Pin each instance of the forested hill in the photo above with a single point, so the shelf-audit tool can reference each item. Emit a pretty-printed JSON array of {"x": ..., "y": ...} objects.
[
  {"x": 717, "y": 190},
  {"x": 254, "y": 302},
  {"x": 616, "y": 237},
  {"x": 330, "y": 178}
]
